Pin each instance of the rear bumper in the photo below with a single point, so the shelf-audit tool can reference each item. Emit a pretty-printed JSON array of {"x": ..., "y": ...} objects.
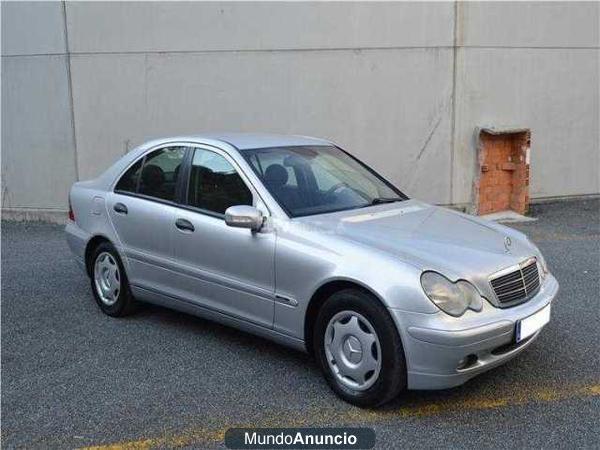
[
  {"x": 77, "y": 240},
  {"x": 443, "y": 351}
]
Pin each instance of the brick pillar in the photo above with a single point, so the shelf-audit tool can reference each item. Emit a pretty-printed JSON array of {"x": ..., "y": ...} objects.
[{"x": 502, "y": 181}]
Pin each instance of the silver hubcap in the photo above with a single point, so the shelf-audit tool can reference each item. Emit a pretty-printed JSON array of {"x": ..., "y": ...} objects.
[
  {"x": 352, "y": 350},
  {"x": 107, "y": 278}
]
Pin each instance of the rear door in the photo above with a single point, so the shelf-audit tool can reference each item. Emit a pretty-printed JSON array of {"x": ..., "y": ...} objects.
[{"x": 142, "y": 209}]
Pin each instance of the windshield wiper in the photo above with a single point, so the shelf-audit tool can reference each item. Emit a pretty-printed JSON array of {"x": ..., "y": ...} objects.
[{"x": 380, "y": 200}]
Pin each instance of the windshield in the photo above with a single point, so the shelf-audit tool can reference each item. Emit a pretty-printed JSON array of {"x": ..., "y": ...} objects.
[{"x": 308, "y": 180}]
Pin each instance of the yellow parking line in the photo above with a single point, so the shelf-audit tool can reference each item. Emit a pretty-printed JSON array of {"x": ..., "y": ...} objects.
[{"x": 361, "y": 416}]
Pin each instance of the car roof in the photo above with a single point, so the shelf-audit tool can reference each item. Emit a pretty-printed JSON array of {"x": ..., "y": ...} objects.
[{"x": 246, "y": 141}]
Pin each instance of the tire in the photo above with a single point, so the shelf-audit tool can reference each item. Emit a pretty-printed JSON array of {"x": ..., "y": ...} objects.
[
  {"x": 350, "y": 325},
  {"x": 109, "y": 281}
]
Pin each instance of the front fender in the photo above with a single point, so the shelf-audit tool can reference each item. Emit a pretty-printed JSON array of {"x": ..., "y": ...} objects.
[
  {"x": 306, "y": 262},
  {"x": 396, "y": 284}
]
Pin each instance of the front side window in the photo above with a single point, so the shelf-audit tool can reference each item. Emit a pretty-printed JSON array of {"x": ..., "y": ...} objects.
[
  {"x": 214, "y": 184},
  {"x": 308, "y": 180}
]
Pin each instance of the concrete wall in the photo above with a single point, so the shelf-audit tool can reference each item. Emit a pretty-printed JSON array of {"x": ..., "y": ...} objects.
[
  {"x": 38, "y": 150},
  {"x": 531, "y": 65},
  {"x": 402, "y": 85}
]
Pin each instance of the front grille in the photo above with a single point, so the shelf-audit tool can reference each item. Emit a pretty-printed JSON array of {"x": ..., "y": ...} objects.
[{"x": 517, "y": 285}]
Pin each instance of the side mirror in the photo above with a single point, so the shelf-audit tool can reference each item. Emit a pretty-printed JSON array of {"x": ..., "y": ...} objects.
[{"x": 243, "y": 216}]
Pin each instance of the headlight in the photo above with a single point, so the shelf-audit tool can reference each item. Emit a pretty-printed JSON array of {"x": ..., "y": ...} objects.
[
  {"x": 452, "y": 298},
  {"x": 542, "y": 268},
  {"x": 541, "y": 262}
]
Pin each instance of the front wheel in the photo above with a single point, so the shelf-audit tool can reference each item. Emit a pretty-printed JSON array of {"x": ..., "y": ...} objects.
[
  {"x": 109, "y": 281},
  {"x": 358, "y": 348}
]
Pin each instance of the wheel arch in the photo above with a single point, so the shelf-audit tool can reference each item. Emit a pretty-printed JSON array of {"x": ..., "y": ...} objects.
[
  {"x": 89, "y": 249},
  {"x": 322, "y": 293}
]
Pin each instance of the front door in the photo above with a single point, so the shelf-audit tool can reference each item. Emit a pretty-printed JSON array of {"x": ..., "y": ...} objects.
[{"x": 230, "y": 270}]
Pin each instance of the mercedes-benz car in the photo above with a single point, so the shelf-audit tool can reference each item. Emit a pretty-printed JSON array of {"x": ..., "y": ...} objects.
[{"x": 294, "y": 239}]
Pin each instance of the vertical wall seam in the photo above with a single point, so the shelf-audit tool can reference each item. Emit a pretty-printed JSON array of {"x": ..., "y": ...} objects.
[
  {"x": 453, "y": 101},
  {"x": 70, "y": 88}
]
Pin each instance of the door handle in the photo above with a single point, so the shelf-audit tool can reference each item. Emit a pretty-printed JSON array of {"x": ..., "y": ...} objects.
[
  {"x": 184, "y": 225},
  {"x": 120, "y": 208}
]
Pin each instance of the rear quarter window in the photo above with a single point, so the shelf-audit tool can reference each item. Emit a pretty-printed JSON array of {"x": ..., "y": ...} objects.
[{"x": 129, "y": 180}]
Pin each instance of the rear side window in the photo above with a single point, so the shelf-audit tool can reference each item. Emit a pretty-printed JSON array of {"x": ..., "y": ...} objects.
[
  {"x": 129, "y": 181},
  {"x": 155, "y": 175},
  {"x": 160, "y": 173}
]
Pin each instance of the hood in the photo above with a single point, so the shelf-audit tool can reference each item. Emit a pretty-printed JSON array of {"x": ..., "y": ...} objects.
[{"x": 429, "y": 237}]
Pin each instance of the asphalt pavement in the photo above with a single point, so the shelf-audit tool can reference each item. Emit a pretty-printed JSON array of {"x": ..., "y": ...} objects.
[{"x": 73, "y": 377}]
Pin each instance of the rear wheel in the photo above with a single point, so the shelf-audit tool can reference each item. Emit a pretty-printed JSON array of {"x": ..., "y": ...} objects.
[
  {"x": 358, "y": 348},
  {"x": 109, "y": 281}
]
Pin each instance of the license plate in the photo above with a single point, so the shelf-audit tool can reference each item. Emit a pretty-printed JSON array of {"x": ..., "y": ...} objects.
[{"x": 529, "y": 325}]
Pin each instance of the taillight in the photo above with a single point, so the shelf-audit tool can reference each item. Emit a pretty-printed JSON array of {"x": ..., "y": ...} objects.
[{"x": 71, "y": 215}]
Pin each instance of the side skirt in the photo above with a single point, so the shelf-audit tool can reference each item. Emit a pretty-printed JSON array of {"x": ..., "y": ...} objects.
[{"x": 216, "y": 316}]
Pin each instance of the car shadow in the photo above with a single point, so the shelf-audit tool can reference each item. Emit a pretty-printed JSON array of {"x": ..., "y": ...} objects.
[
  {"x": 484, "y": 386},
  {"x": 221, "y": 333}
]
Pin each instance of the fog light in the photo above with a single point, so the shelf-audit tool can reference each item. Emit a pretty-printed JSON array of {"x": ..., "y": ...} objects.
[{"x": 467, "y": 362}]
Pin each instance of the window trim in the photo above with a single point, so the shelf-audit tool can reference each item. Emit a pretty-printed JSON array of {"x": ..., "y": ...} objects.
[
  {"x": 139, "y": 177},
  {"x": 204, "y": 212},
  {"x": 147, "y": 197},
  {"x": 181, "y": 191}
]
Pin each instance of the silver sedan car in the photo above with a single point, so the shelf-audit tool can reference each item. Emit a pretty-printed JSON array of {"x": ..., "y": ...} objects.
[{"x": 296, "y": 240}]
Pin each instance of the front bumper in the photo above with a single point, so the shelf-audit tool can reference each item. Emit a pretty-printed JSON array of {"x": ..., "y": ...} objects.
[{"x": 444, "y": 351}]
